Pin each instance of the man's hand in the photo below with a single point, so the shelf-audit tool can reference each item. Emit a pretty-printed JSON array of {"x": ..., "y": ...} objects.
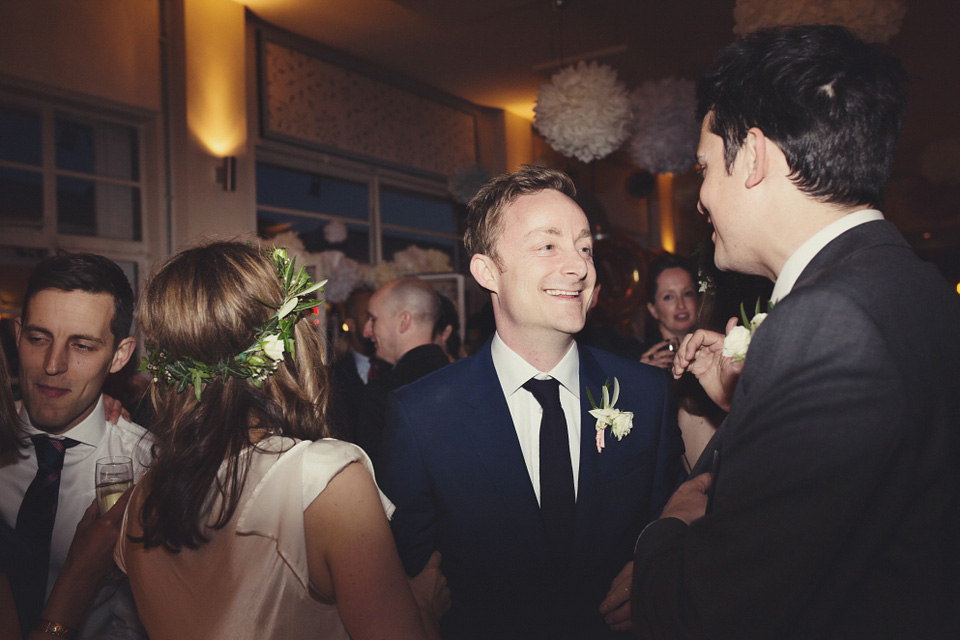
[
  {"x": 113, "y": 410},
  {"x": 689, "y": 501},
  {"x": 430, "y": 588},
  {"x": 615, "y": 608},
  {"x": 701, "y": 353}
]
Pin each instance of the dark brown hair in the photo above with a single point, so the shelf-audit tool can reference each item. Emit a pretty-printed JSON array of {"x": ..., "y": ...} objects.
[{"x": 485, "y": 211}]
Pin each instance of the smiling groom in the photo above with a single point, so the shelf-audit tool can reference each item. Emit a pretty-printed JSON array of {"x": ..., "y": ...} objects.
[{"x": 535, "y": 523}]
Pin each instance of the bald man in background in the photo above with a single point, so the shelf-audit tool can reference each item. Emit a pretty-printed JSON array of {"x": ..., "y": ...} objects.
[{"x": 400, "y": 321}]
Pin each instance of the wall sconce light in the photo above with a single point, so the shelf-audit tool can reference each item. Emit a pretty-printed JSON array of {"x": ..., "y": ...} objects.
[{"x": 227, "y": 173}]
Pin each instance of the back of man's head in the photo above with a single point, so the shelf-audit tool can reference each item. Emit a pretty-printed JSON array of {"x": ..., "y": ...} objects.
[
  {"x": 833, "y": 104},
  {"x": 89, "y": 273},
  {"x": 419, "y": 299}
]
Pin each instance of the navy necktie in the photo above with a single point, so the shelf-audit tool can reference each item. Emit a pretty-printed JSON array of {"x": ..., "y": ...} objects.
[
  {"x": 39, "y": 507},
  {"x": 557, "y": 500}
]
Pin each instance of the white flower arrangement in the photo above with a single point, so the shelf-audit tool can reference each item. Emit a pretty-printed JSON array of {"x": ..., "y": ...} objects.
[
  {"x": 335, "y": 232},
  {"x": 665, "y": 134},
  {"x": 736, "y": 343},
  {"x": 872, "y": 20},
  {"x": 583, "y": 112},
  {"x": 607, "y": 415}
]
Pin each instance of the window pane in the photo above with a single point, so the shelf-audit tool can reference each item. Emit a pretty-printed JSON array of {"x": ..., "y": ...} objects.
[
  {"x": 311, "y": 233},
  {"x": 280, "y": 187},
  {"x": 408, "y": 209},
  {"x": 91, "y": 208},
  {"x": 394, "y": 241},
  {"x": 20, "y": 136},
  {"x": 21, "y": 196},
  {"x": 103, "y": 149}
]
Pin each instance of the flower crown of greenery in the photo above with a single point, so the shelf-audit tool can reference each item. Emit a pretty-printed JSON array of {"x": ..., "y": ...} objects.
[{"x": 259, "y": 360}]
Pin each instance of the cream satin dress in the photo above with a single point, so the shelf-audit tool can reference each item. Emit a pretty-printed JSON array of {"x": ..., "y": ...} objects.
[{"x": 251, "y": 579}]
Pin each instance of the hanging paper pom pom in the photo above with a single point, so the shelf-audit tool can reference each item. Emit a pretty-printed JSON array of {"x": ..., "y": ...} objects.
[{"x": 583, "y": 112}]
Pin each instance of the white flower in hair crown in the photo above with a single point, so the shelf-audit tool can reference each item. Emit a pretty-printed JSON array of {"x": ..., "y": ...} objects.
[
  {"x": 261, "y": 359},
  {"x": 736, "y": 343},
  {"x": 620, "y": 422}
]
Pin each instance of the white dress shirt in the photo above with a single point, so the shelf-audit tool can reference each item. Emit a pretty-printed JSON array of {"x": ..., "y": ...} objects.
[
  {"x": 513, "y": 371},
  {"x": 363, "y": 366},
  {"x": 807, "y": 251},
  {"x": 98, "y": 439}
]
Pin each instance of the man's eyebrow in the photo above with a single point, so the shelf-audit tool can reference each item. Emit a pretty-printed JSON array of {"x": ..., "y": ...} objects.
[
  {"x": 552, "y": 231},
  {"x": 77, "y": 336}
]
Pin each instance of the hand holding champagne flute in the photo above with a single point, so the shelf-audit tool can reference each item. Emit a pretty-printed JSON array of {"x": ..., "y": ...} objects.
[{"x": 114, "y": 477}]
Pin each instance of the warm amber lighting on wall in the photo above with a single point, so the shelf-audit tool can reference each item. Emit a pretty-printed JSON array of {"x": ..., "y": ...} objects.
[
  {"x": 668, "y": 232},
  {"x": 216, "y": 97}
]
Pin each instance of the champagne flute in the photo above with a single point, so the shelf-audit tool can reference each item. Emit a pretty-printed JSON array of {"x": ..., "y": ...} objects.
[{"x": 114, "y": 476}]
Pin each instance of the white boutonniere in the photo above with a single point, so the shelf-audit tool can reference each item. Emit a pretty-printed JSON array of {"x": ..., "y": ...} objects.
[
  {"x": 737, "y": 342},
  {"x": 620, "y": 422}
]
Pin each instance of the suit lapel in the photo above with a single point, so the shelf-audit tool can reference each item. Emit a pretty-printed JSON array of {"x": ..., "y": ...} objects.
[{"x": 494, "y": 438}]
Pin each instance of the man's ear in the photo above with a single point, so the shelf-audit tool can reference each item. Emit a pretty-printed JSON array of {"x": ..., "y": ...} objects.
[
  {"x": 404, "y": 320},
  {"x": 122, "y": 354},
  {"x": 485, "y": 271},
  {"x": 755, "y": 150}
]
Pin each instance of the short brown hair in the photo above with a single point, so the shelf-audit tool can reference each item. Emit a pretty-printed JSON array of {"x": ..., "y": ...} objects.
[{"x": 485, "y": 211}]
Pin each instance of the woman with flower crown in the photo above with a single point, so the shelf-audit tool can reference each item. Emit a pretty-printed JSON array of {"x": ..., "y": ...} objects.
[{"x": 249, "y": 523}]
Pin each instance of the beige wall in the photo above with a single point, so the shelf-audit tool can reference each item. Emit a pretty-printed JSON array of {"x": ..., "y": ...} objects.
[
  {"x": 212, "y": 102},
  {"x": 77, "y": 46}
]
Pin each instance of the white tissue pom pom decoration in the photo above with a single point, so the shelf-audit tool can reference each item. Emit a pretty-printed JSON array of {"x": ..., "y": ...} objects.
[{"x": 583, "y": 112}]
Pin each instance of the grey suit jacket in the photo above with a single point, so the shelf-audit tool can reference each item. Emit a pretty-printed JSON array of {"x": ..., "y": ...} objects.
[{"x": 833, "y": 512}]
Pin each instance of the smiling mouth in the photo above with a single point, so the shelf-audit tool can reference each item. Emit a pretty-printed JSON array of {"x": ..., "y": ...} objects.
[
  {"x": 561, "y": 293},
  {"x": 52, "y": 392}
]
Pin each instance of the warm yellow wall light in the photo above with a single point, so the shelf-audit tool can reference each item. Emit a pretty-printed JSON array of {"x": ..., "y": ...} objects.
[
  {"x": 216, "y": 97},
  {"x": 668, "y": 231}
]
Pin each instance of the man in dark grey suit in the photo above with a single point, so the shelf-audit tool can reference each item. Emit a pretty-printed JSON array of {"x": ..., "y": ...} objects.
[{"x": 829, "y": 499}]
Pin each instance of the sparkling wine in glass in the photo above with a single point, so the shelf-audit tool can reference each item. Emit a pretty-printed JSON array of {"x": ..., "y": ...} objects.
[{"x": 114, "y": 476}]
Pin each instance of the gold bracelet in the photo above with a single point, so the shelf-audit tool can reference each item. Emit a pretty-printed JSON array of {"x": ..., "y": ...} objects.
[{"x": 55, "y": 629}]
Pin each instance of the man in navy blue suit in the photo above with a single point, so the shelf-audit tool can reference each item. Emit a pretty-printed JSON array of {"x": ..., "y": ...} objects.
[{"x": 535, "y": 521}]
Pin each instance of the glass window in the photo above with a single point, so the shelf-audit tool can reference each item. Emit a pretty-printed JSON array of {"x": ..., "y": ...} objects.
[
  {"x": 21, "y": 196},
  {"x": 20, "y": 136},
  {"x": 412, "y": 210},
  {"x": 310, "y": 230},
  {"x": 103, "y": 149},
  {"x": 89, "y": 187},
  {"x": 394, "y": 217},
  {"x": 303, "y": 191}
]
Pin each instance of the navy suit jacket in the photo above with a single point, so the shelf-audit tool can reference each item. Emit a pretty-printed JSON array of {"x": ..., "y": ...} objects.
[
  {"x": 453, "y": 466},
  {"x": 834, "y": 505}
]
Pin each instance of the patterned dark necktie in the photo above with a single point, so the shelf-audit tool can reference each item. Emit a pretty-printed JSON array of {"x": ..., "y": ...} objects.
[
  {"x": 39, "y": 507},
  {"x": 557, "y": 500}
]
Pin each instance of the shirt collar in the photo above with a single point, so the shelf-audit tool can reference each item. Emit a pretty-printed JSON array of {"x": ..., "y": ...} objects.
[
  {"x": 90, "y": 431},
  {"x": 806, "y": 252},
  {"x": 513, "y": 370}
]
